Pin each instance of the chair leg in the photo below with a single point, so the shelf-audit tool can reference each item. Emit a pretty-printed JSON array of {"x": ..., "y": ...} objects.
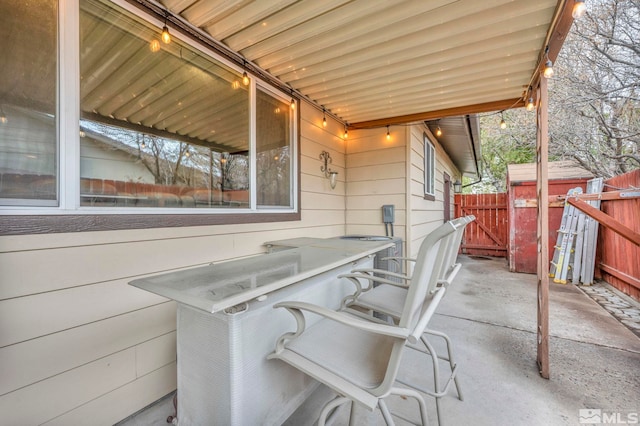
[
  {"x": 451, "y": 360},
  {"x": 436, "y": 375},
  {"x": 386, "y": 414},
  {"x": 421, "y": 404},
  {"x": 329, "y": 407}
]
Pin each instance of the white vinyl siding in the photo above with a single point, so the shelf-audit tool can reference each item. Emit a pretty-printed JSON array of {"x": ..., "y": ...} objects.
[
  {"x": 376, "y": 175},
  {"x": 425, "y": 214}
]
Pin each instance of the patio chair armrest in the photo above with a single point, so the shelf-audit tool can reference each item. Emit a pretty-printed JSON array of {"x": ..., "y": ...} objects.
[
  {"x": 348, "y": 320},
  {"x": 425, "y": 317},
  {"x": 372, "y": 279},
  {"x": 382, "y": 272},
  {"x": 447, "y": 281},
  {"x": 399, "y": 258}
]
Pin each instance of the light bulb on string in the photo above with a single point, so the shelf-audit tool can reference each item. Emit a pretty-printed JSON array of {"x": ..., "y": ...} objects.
[
  {"x": 324, "y": 118},
  {"x": 245, "y": 76},
  {"x": 530, "y": 105},
  {"x": 548, "y": 69},
  {"x": 346, "y": 133},
  {"x": 438, "y": 132},
  {"x": 165, "y": 37},
  {"x": 388, "y": 134},
  {"x": 579, "y": 8},
  {"x": 503, "y": 124}
]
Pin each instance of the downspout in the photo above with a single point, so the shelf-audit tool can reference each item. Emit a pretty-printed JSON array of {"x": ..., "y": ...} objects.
[{"x": 475, "y": 156}]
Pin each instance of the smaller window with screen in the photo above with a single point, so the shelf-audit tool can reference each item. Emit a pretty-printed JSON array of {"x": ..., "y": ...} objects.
[{"x": 429, "y": 169}]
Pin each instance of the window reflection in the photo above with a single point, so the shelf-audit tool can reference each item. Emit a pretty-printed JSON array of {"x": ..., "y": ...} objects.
[
  {"x": 274, "y": 136},
  {"x": 28, "y": 135},
  {"x": 163, "y": 125}
]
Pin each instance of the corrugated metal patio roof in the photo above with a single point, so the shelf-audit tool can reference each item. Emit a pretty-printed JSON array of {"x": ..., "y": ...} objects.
[{"x": 367, "y": 60}]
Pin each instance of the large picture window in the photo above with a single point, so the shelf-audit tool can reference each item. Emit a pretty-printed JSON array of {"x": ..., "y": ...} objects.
[{"x": 161, "y": 125}]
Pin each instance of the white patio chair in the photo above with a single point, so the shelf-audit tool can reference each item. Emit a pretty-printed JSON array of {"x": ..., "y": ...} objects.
[
  {"x": 388, "y": 296},
  {"x": 360, "y": 358}
]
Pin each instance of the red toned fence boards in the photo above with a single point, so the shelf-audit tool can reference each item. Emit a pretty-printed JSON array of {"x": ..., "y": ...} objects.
[
  {"x": 619, "y": 259},
  {"x": 523, "y": 248},
  {"x": 487, "y": 235}
]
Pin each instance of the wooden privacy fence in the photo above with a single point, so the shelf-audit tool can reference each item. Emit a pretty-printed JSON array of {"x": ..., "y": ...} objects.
[
  {"x": 619, "y": 262},
  {"x": 487, "y": 235}
]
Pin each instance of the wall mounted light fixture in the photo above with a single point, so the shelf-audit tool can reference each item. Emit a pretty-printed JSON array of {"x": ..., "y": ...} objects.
[
  {"x": 457, "y": 186},
  {"x": 328, "y": 173}
]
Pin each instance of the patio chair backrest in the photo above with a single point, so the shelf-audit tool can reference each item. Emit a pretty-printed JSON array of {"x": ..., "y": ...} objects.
[
  {"x": 452, "y": 251},
  {"x": 419, "y": 294}
]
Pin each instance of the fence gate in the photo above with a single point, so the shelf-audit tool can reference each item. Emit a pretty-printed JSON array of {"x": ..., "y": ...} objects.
[{"x": 487, "y": 235}]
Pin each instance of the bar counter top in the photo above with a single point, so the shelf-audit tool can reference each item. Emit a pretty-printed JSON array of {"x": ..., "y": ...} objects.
[{"x": 219, "y": 286}]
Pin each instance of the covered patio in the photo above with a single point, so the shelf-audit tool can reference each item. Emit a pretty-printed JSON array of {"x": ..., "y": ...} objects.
[
  {"x": 365, "y": 85},
  {"x": 489, "y": 313}
]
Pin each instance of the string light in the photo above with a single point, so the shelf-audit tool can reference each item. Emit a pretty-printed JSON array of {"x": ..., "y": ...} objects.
[
  {"x": 503, "y": 124},
  {"x": 579, "y": 8},
  {"x": 346, "y": 133},
  {"x": 324, "y": 118},
  {"x": 438, "y": 132},
  {"x": 548, "y": 69},
  {"x": 530, "y": 105},
  {"x": 3, "y": 117},
  {"x": 388, "y": 134},
  {"x": 166, "y": 37},
  {"x": 245, "y": 76}
]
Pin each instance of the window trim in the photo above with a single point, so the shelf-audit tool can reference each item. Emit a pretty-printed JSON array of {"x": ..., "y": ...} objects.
[
  {"x": 68, "y": 216},
  {"x": 431, "y": 178}
]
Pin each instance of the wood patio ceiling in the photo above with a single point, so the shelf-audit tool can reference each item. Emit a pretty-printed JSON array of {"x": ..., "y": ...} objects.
[{"x": 377, "y": 62}]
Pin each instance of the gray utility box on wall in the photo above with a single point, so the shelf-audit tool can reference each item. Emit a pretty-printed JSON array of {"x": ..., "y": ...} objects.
[{"x": 393, "y": 251}]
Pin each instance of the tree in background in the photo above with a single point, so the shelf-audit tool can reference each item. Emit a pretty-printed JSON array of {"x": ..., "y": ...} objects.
[
  {"x": 516, "y": 144},
  {"x": 594, "y": 109}
]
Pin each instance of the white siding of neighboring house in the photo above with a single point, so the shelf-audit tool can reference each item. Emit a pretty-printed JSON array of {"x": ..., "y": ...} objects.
[
  {"x": 426, "y": 215},
  {"x": 99, "y": 162},
  {"x": 78, "y": 344}
]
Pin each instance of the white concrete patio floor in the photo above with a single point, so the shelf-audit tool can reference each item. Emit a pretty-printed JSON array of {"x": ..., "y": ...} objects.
[{"x": 490, "y": 315}]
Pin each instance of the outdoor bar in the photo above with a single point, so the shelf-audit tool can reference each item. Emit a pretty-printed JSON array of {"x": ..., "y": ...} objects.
[{"x": 226, "y": 326}]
